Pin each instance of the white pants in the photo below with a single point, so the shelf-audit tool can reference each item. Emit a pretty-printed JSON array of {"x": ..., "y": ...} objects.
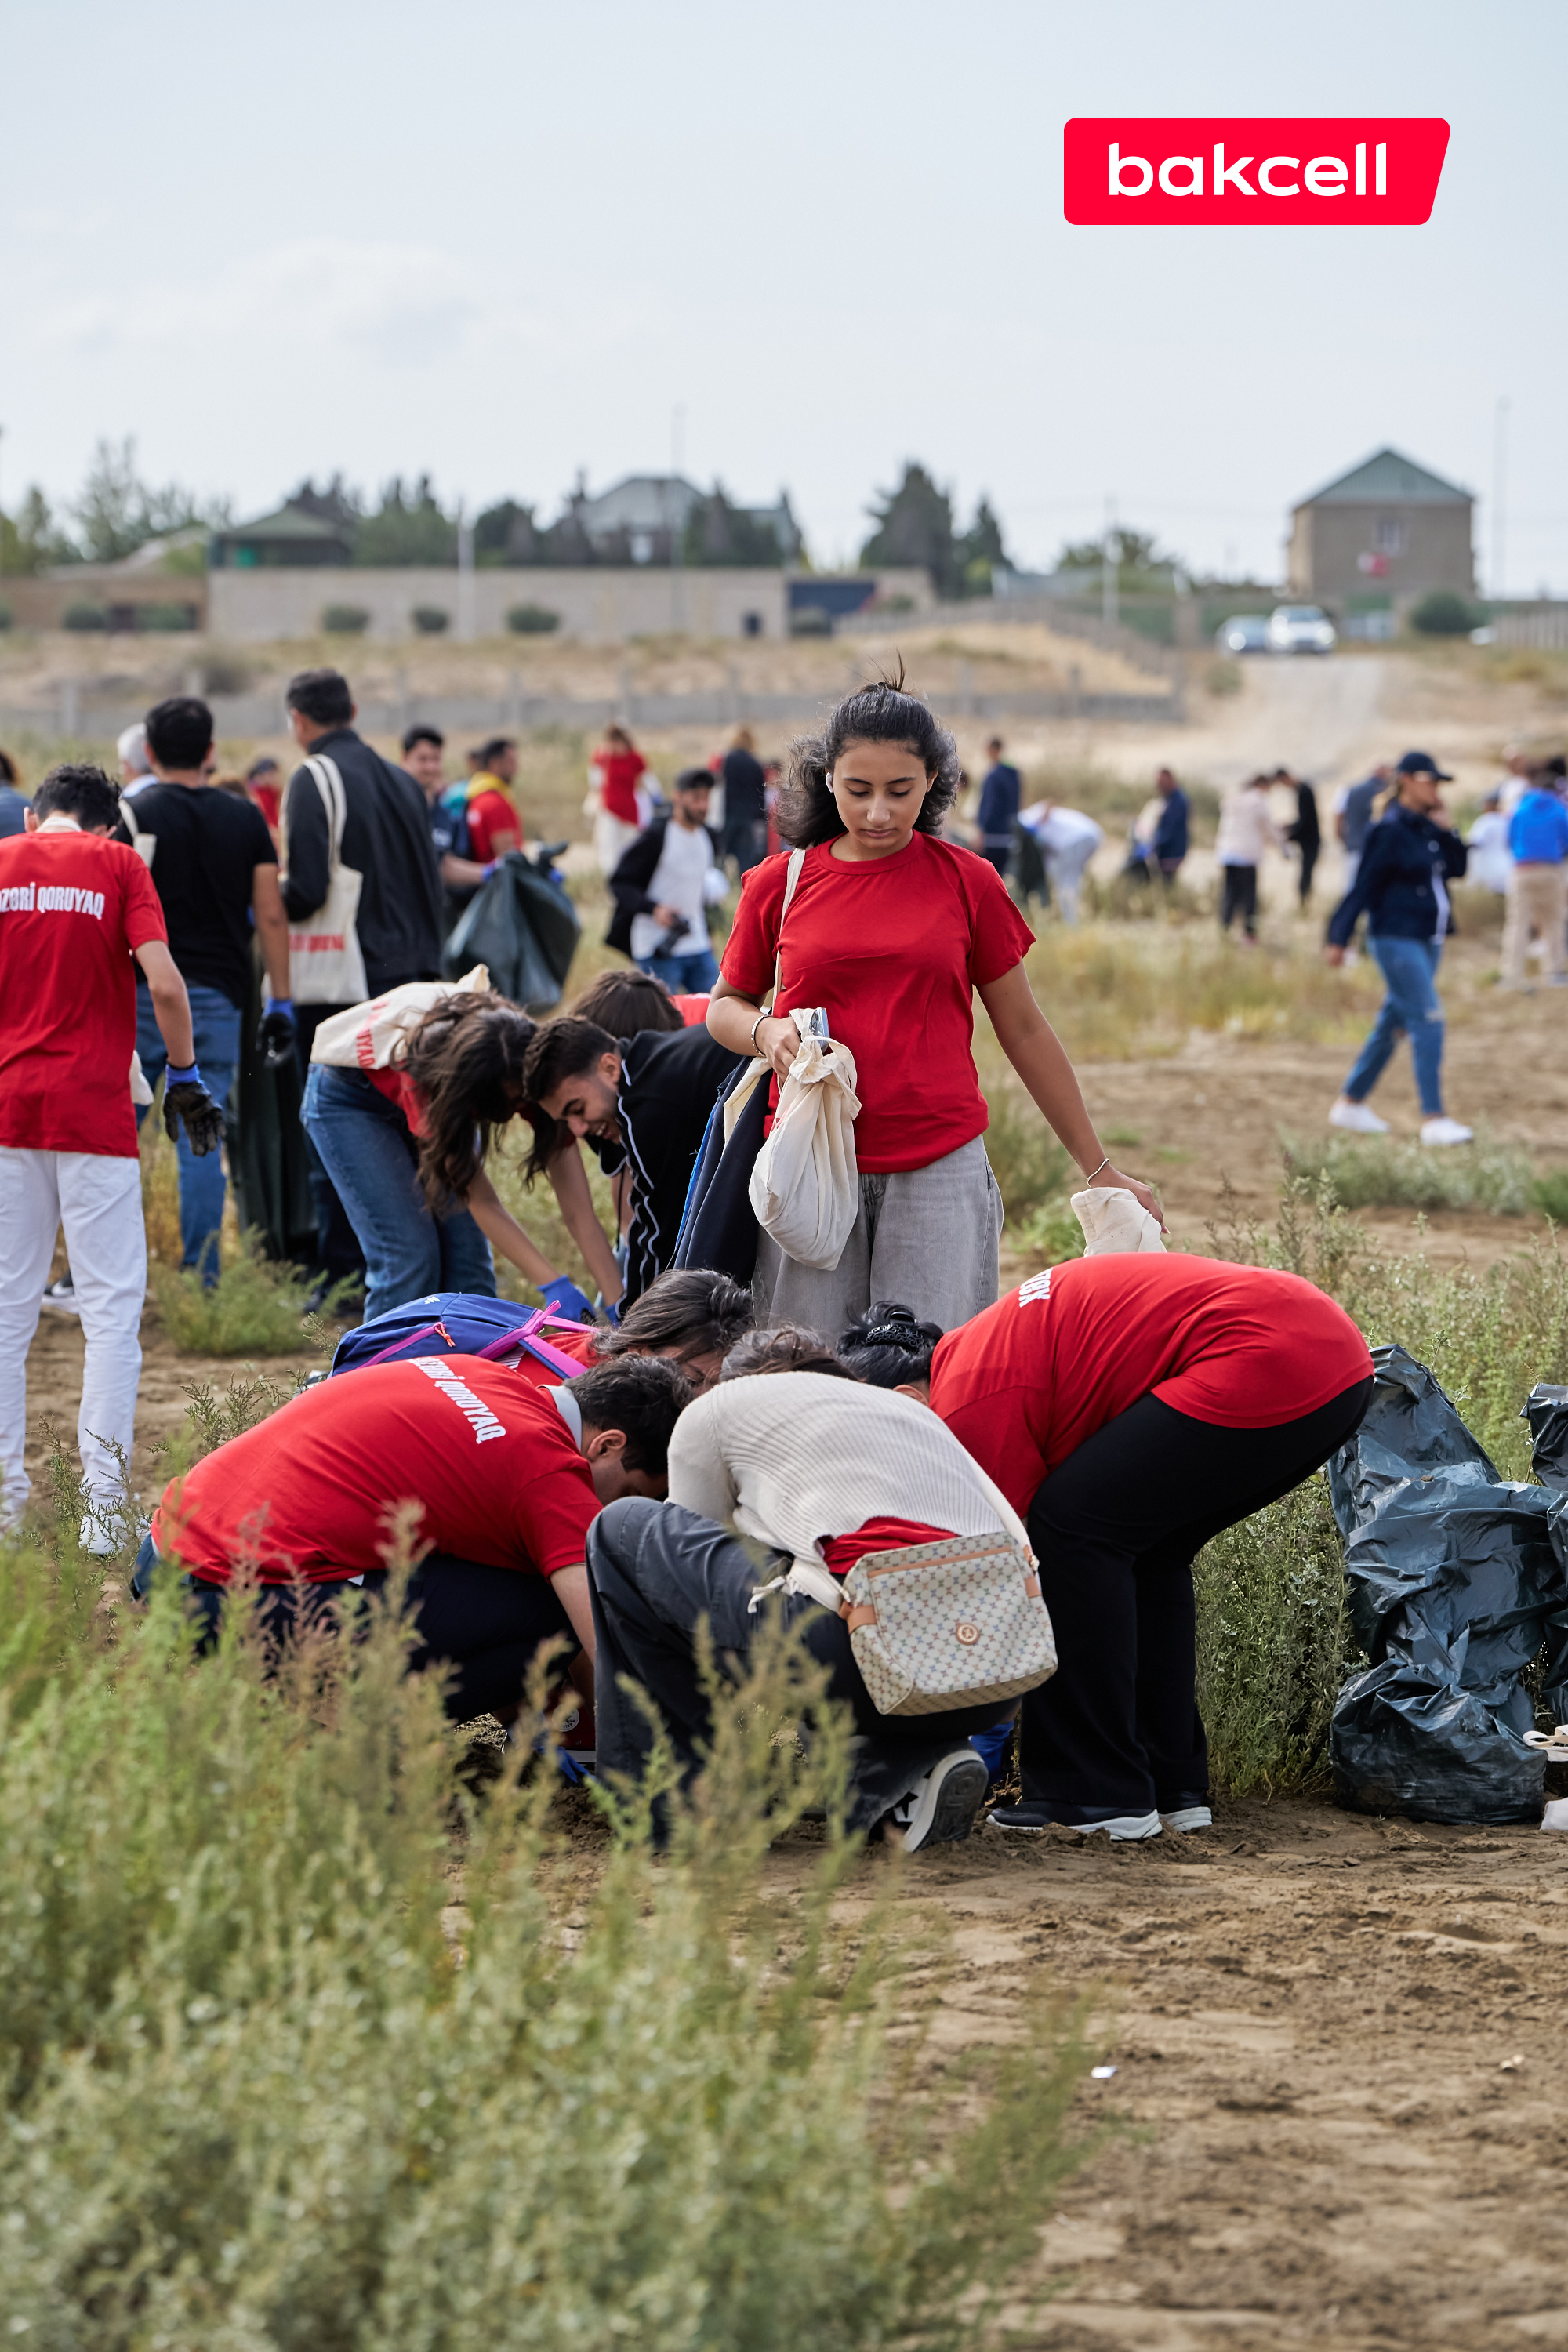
[
  {"x": 98, "y": 1198},
  {"x": 612, "y": 838},
  {"x": 1065, "y": 868}
]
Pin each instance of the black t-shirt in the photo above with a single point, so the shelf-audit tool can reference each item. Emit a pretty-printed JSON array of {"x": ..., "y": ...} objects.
[
  {"x": 670, "y": 1081},
  {"x": 207, "y": 846},
  {"x": 746, "y": 788}
]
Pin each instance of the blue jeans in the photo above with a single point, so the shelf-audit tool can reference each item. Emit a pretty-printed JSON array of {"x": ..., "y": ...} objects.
[
  {"x": 215, "y": 1024},
  {"x": 1411, "y": 1008},
  {"x": 683, "y": 975},
  {"x": 367, "y": 1150}
]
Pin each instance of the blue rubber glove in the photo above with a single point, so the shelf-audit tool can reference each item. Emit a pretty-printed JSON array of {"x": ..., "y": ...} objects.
[
  {"x": 563, "y": 1295},
  {"x": 611, "y": 1315}
]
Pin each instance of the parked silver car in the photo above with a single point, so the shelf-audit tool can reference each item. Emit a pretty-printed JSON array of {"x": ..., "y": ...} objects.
[
  {"x": 1243, "y": 632},
  {"x": 1300, "y": 629}
]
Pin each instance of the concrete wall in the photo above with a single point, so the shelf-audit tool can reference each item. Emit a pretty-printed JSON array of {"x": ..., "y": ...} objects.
[
  {"x": 598, "y": 607},
  {"x": 43, "y": 604},
  {"x": 1327, "y": 542}
]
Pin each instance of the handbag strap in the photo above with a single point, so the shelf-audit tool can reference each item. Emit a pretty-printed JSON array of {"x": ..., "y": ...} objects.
[
  {"x": 330, "y": 784},
  {"x": 796, "y": 860}
]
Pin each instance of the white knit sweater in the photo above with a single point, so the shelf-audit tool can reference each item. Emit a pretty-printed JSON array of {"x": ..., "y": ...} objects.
[{"x": 790, "y": 1458}]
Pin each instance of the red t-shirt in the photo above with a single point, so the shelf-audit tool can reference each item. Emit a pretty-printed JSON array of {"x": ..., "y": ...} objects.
[
  {"x": 269, "y": 799},
  {"x": 574, "y": 1339},
  {"x": 398, "y": 1088},
  {"x": 72, "y": 907},
  {"x": 618, "y": 773},
  {"x": 841, "y": 1553},
  {"x": 693, "y": 1010},
  {"x": 894, "y": 948},
  {"x": 491, "y": 813},
  {"x": 488, "y": 1459},
  {"x": 1023, "y": 1385}
]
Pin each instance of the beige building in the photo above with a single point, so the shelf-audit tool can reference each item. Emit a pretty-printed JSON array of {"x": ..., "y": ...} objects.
[{"x": 1380, "y": 538}]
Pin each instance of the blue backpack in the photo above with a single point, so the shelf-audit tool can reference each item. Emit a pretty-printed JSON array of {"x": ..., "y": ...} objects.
[{"x": 456, "y": 1323}]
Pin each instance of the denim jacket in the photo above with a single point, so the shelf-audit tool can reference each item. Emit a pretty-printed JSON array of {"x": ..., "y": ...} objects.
[{"x": 1393, "y": 886}]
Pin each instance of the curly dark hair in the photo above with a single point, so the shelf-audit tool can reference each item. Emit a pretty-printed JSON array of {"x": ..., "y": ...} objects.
[
  {"x": 786, "y": 1348},
  {"x": 888, "y": 1345},
  {"x": 465, "y": 1057},
  {"x": 880, "y": 712},
  {"x": 691, "y": 1310}
]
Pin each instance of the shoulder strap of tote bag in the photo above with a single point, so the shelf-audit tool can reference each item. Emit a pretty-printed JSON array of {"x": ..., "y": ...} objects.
[
  {"x": 330, "y": 784},
  {"x": 796, "y": 860}
]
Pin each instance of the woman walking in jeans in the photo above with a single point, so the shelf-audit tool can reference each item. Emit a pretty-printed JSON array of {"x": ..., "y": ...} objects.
[
  {"x": 1400, "y": 886},
  {"x": 895, "y": 932}
]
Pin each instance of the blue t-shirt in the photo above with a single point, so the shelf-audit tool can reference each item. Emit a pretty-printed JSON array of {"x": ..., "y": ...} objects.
[
  {"x": 1538, "y": 830},
  {"x": 448, "y": 829}
]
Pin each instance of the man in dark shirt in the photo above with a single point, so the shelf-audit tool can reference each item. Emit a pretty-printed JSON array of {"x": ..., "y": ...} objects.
[
  {"x": 461, "y": 874},
  {"x": 1352, "y": 818},
  {"x": 998, "y": 812},
  {"x": 215, "y": 872},
  {"x": 643, "y": 1103},
  {"x": 387, "y": 841},
  {"x": 745, "y": 803}
]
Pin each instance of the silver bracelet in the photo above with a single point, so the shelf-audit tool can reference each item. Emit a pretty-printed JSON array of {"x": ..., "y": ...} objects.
[
  {"x": 756, "y": 1025},
  {"x": 1095, "y": 1172}
]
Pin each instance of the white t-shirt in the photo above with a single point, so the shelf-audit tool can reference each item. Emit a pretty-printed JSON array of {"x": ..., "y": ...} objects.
[
  {"x": 678, "y": 880},
  {"x": 1067, "y": 829}
]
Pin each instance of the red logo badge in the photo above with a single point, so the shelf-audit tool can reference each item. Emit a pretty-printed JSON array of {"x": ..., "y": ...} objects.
[{"x": 1255, "y": 170}]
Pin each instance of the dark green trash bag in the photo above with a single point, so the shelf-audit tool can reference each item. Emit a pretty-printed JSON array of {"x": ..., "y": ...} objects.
[
  {"x": 523, "y": 927},
  {"x": 267, "y": 1155}
]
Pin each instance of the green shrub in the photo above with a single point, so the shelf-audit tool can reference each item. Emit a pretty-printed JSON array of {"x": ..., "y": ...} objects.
[
  {"x": 1029, "y": 1163},
  {"x": 167, "y": 618},
  {"x": 5, "y": 617},
  {"x": 1274, "y": 1641},
  {"x": 532, "y": 620},
  {"x": 255, "y": 2098},
  {"x": 84, "y": 614},
  {"x": 228, "y": 673},
  {"x": 1443, "y": 613},
  {"x": 430, "y": 620},
  {"x": 1382, "y": 1172},
  {"x": 345, "y": 620},
  {"x": 255, "y": 1308}
]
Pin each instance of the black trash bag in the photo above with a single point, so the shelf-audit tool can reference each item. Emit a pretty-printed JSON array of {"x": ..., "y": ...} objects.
[
  {"x": 266, "y": 1156},
  {"x": 1456, "y": 1577},
  {"x": 523, "y": 926},
  {"x": 1546, "y": 1409}
]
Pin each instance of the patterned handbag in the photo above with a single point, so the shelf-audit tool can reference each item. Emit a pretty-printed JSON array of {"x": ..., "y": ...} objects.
[{"x": 943, "y": 1625}]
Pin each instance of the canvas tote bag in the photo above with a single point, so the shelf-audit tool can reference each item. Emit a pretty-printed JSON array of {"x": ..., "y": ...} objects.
[
  {"x": 806, "y": 1185},
  {"x": 369, "y": 1037},
  {"x": 325, "y": 966}
]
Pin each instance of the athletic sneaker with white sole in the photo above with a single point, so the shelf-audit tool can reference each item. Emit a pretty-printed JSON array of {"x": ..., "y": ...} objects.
[
  {"x": 61, "y": 1296},
  {"x": 1031, "y": 1819},
  {"x": 941, "y": 1810},
  {"x": 1359, "y": 1118},
  {"x": 1446, "y": 1131},
  {"x": 1184, "y": 1818}
]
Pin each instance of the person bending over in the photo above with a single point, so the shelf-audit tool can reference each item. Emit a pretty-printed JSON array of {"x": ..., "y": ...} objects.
[
  {"x": 505, "y": 1478},
  {"x": 895, "y": 932},
  {"x": 643, "y": 1103},
  {"x": 820, "y": 1470},
  {"x": 1131, "y": 1407},
  {"x": 690, "y": 1316}
]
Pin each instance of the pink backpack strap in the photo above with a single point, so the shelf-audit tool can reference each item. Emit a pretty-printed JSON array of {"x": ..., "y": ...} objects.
[{"x": 527, "y": 1336}]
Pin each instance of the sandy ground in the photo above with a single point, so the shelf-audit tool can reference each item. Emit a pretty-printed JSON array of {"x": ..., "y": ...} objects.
[{"x": 1335, "y": 2118}]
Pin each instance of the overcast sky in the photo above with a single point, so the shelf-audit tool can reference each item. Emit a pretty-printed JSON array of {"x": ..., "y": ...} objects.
[{"x": 506, "y": 241}]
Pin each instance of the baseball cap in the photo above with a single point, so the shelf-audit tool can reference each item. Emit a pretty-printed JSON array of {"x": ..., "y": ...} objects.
[{"x": 1422, "y": 763}]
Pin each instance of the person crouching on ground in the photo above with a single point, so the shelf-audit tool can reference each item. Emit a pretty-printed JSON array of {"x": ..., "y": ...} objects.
[
  {"x": 1130, "y": 1407},
  {"x": 506, "y": 1479},
  {"x": 895, "y": 930},
  {"x": 791, "y": 1451},
  {"x": 690, "y": 1316},
  {"x": 1410, "y": 856}
]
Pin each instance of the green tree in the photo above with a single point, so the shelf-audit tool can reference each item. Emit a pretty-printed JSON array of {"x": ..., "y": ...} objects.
[
  {"x": 914, "y": 526},
  {"x": 981, "y": 551},
  {"x": 117, "y": 512},
  {"x": 31, "y": 541},
  {"x": 717, "y": 532},
  {"x": 1135, "y": 551},
  {"x": 507, "y": 534},
  {"x": 406, "y": 527}
]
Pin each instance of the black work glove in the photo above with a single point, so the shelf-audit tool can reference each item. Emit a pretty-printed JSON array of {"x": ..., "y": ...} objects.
[
  {"x": 188, "y": 1104},
  {"x": 275, "y": 1035}
]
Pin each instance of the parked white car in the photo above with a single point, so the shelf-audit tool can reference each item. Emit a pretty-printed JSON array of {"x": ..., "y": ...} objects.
[
  {"x": 1300, "y": 629},
  {"x": 1243, "y": 632}
]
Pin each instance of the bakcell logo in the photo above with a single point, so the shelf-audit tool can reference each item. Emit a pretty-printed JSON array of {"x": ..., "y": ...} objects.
[{"x": 1256, "y": 170}]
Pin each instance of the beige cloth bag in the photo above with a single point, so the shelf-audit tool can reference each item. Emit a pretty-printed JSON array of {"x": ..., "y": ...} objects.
[
  {"x": 367, "y": 1037},
  {"x": 325, "y": 965},
  {"x": 805, "y": 1186},
  {"x": 1115, "y": 1222}
]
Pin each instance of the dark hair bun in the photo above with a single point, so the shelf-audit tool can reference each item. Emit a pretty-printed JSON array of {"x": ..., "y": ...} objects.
[{"x": 888, "y": 1344}]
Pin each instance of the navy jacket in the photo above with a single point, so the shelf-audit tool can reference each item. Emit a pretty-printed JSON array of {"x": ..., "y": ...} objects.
[
  {"x": 1394, "y": 881},
  {"x": 1169, "y": 846},
  {"x": 998, "y": 811},
  {"x": 386, "y": 838}
]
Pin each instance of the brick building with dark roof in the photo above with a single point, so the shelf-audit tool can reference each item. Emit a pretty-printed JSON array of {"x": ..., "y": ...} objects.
[{"x": 1380, "y": 538}]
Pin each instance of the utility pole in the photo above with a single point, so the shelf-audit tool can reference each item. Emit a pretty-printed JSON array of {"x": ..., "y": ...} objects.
[
  {"x": 465, "y": 576},
  {"x": 1109, "y": 568},
  {"x": 1499, "y": 500}
]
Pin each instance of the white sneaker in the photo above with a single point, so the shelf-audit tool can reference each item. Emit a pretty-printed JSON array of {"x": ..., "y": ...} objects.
[
  {"x": 942, "y": 1808},
  {"x": 1446, "y": 1131},
  {"x": 1187, "y": 1817},
  {"x": 1359, "y": 1118},
  {"x": 61, "y": 1296}
]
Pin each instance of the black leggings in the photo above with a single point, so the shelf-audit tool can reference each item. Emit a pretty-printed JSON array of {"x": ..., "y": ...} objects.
[
  {"x": 483, "y": 1622},
  {"x": 1240, "y": 897},
  {"x": 1116, "y": 1527}
]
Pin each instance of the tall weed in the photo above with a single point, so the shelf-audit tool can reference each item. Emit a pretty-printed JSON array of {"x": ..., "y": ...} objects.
[
  {"x": 1380, "y": 1171},
  {"x": 255, "y": 1308}
]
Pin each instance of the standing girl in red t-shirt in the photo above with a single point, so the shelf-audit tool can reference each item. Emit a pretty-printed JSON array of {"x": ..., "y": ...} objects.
[
  {"x": 893, "y": 929},
  {"x": 617, "y": 766}
]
